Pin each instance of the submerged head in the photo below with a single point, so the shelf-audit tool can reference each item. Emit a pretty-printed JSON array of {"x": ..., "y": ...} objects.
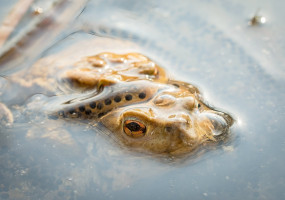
[{"x": 173, "y": 122}]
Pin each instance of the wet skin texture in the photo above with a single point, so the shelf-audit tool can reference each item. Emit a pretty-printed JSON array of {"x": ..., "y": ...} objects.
[{"x": 137, "y": 101}]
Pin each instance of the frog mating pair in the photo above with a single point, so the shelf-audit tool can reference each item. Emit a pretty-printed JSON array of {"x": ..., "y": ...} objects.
[{"x": 136, "y": 100}]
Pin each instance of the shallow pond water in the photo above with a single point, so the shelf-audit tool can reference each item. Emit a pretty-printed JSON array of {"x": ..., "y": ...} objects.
[{"x": 238, "y": 68}]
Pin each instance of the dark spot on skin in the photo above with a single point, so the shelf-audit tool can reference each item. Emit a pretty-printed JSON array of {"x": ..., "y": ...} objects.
[
  {"x": 108, "y": 101},
  {"x": 128, "y": 97},
  {"x": 199, "y": 105},
  {"x": 99, "y": 106},
  {"x": 142, "y": 95},
  {"x": 101, "y": 114},
  {"x": 92, "y": 105},
  {"x": 88, "y": 112},
  {"x": 117, "y": 99},
  {"x": 71, "y": 111},
  {"x": 81, "y": 108}
]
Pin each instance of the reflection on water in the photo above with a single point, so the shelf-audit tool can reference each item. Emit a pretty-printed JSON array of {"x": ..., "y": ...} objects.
[{"x": 239, "y": 68}]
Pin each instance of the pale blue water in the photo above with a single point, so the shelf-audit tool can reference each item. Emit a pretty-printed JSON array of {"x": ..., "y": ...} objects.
[{"x": 238, "y": 68}]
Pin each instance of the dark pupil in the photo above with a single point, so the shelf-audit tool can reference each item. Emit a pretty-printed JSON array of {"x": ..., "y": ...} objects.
[{"x": 133, "y": 126}]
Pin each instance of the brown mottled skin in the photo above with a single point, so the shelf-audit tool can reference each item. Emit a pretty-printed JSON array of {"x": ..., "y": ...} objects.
[{"x": 138, "y": 102}]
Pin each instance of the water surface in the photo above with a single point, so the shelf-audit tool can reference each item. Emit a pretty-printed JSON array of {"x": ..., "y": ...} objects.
[{"x": 239, "y": 68}]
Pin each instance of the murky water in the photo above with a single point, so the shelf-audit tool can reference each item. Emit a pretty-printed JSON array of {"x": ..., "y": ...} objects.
[{"x": 239, "y": 68}]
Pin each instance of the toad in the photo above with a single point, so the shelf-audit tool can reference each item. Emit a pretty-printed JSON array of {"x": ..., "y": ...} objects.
[{"x": 134, "y": 98}]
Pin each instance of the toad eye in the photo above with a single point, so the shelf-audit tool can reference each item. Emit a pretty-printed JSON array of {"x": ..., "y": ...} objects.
[{"x": 134, "y": 128}]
